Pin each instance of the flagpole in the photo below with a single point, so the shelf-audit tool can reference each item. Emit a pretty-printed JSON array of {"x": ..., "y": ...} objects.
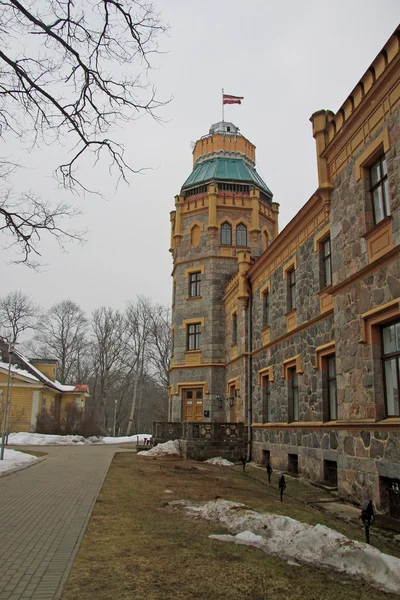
[{"x": 223, "y": 105}]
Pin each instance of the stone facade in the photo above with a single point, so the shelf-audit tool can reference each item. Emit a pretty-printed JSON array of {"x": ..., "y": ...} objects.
[{"x": 259, "y": 357}]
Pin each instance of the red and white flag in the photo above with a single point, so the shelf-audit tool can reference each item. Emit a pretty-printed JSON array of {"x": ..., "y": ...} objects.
[{"x": 227, "y": 99}]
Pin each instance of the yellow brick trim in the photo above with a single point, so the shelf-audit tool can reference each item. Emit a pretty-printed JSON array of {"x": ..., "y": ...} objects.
[
  {"x": 170, "y": 390},
  {"x": 295, "y": 361},
  {"x": 235, "y": 381},
  {"x": 267, "y": 372},
  {"x": 289, "y": 266},
  {"x": 198, "y": 223},
  {"x": 187, "y": 322},
  {"x": 198, "y": 269},
  {"x": 234, "y": 312},
  {"x": 379, "y": 146},
  {"x": 192, "y": 384},
  {"x": 265, "y": 288},
  {"x": 373, "y": 319},
  {"x": 320, "y": 237},
  {"x": 323, "y": 351}
]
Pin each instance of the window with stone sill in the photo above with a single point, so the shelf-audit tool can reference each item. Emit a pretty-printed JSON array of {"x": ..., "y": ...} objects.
[
  {"x": 326, "y": 262},
  {"x": 266, "y": 308},
  {"x": 379, "y": 189},
  {"x": 391, "y": 367},
  {"x": 241, "y": 235},
  {"x": 330, "y": 388},
  {"x": 195, "y": 284},
  {"x": 266, "y": 400},
  {"x": 291, "y": 290},
  {"x": 234, "y": 329},
  {"x": 293, "y": 385},
  {"x": 226, "y": 234},
  {"x": 193, "y": 336}
]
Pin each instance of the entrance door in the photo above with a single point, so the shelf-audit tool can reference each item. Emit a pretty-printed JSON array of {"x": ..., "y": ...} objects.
[
  {"x": 233, "y": 403},
  {"x": 193, "y": 405}
]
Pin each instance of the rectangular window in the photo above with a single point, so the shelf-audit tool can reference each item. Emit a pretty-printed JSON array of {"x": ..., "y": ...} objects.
[
  {"x": 379, "y": 189},
  {"x": 327, "y": 262},
  {"x": 266, "y": 309},
  {"x": 291, "y": 279},
  {"x": 194, "y": 332},
  {"x": 234, "y": 329},
  {"x": 331, "y": 386},
  {"x": 391, "y": 367},
  {"x": 194, "y": 284},
  {"x": 293, "y": 395},
  {"x": 266, "y": 400}
]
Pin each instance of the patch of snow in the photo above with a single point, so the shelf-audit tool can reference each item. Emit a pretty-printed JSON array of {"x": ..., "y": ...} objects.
[
  {"x": 296, "y": 541},
  {"x": 168, "y": 492},
  {"x": 167, "y": 449},
  {"x": 43, "y": 439},
  {"x": 219, "y": 462},
  {"x": 16, "y": 370},
  {"x": 132, "y": 439},
  {"x": 14, "y": 459}
]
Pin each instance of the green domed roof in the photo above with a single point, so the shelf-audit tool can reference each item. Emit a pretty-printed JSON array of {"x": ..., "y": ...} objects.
[{"x": 225, "y": 169}]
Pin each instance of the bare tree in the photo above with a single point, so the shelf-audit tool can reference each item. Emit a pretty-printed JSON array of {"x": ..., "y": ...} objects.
[
  {"x": 63, "y": 335},
  {"x": 18, "y": 313},
  {"x": 138, "y": 323},
  {"x": 159, "y": 350},
  {"x": 72, "y": 71},
  {"x": 108, "y": 348}
]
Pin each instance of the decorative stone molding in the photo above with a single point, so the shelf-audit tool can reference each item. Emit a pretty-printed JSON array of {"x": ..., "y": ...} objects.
[
  {"x": 372, "y": 320},
  {"x": 290, "y": 363},
  {"x": 321, "y": 237},
  {"x": 193, "y": 357},
  {"x": 379, "y": 240},
  {"x": 191, "y": 384},
  {"x": 198, "y": 269},
  {"x": 291, "y": 322},
  {"x": 265, "y": 288},
  {"x": 289, "y": 266},
  {"x": 266, "y": 372},
  {"x": 379, "y": 146},
  {"x": 187, "y": 322},
  {"x": 266, "y": 335},
  {"x": 321, "y": 352},
  {"x": 234, "y": 381}
]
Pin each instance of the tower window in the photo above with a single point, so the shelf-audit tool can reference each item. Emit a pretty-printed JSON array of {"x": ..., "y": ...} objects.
[
  {"x": 379, "y": 189},
  {"x": 331, "y": 387},
  {"x": 293, "y": 395},
  {"x": 195, "y": 284},
  {"x": 194, "y": 332},
  {"x": 241, "y": 235},
  {"x": 226, "y": 234}
]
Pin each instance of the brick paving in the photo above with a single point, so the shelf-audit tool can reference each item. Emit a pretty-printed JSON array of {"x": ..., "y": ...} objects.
[{"x": 44, "y": 511}]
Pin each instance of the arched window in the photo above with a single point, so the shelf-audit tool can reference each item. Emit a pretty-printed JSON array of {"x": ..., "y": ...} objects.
[
  {"x": 241, "y": 235},
  {"x": 226, "y": 234}
]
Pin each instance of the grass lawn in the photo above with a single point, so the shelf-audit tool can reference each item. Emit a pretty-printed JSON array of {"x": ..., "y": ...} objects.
[{"x": 136, "y": 548}]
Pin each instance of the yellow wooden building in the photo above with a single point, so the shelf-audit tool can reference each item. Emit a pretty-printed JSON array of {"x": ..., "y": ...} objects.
[{"x": 33, "y": 387}]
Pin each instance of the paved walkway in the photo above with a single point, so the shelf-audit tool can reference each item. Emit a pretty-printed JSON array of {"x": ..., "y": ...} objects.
[{"x": 44, "y": 511}]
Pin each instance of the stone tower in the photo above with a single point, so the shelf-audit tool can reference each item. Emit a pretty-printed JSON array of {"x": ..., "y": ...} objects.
[{"x": 224, "y": 217}]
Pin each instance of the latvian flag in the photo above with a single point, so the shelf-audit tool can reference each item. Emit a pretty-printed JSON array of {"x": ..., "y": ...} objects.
[{"x": 227, "y": 99}]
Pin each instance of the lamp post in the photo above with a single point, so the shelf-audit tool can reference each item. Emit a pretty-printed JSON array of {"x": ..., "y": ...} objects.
[
  {"x": 115, "y": 414},
  {"x": 3, "y": 436}
]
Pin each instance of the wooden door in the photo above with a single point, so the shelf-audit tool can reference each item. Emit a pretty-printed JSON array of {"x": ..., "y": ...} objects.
[{"x": 193, "y": 405}]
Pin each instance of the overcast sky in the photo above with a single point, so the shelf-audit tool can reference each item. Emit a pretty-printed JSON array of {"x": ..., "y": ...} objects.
[{"x": 288, "y": 59}]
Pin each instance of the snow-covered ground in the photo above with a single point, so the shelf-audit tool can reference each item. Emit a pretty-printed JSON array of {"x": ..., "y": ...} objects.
[
  {"x": 219, "y": 462},
  {"x": 14, "y": 460},
  {"x": 41, "y": 439},
  {"x": 167, "y": 449},
  {"x": 296, "y": 541}
]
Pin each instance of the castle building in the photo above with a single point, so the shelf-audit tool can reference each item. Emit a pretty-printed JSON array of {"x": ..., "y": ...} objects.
[{"x": 296, "y": 335}]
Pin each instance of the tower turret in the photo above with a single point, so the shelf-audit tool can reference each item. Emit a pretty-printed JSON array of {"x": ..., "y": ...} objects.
[{"x": 223, "y": 209}]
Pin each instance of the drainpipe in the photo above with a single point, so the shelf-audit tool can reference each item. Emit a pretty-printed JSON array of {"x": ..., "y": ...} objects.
[{"x": 249, "y": 372}]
